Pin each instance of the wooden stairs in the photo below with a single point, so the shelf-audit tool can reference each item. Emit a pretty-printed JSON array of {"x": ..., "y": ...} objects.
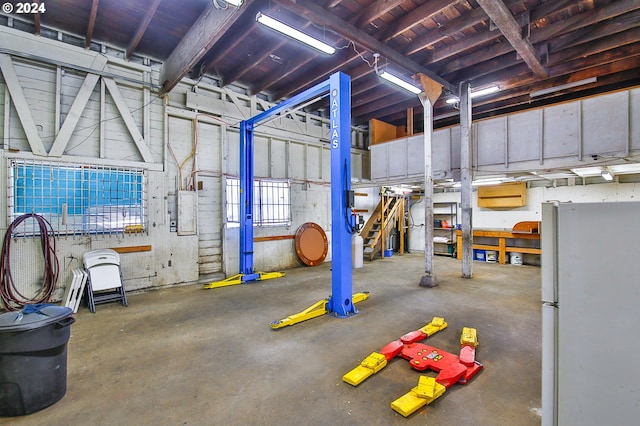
[{"x": 388, "y": 214}]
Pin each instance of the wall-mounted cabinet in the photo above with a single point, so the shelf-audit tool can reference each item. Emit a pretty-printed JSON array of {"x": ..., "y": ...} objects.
[{"x": 445, "y": 216}]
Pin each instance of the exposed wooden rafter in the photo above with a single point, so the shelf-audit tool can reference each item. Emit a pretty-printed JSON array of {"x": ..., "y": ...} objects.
[
  {"x": 142, "y": 28},
  {"x": 502, "y": 17},
  {"x": 91, "y": 24},
  {"x": 320, "y": 16},
  {"x": 202, "y": 36}
]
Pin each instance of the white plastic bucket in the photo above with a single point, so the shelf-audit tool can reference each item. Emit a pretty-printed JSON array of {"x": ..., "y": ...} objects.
[
  {"x": 516, "y": 258},
  {"x": 491, "y": 256}
]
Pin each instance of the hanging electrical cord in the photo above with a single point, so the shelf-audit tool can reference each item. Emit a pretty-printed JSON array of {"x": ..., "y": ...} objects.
[{"x": 12, "y": 299}]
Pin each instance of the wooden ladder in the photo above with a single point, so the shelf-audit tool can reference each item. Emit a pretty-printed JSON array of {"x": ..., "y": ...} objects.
[{"x": 388, "y": 213}]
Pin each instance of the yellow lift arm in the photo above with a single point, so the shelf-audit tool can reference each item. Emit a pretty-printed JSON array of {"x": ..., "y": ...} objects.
[
  {"x": 238, "y": 279},
  {"x": 316, "y": 310}
]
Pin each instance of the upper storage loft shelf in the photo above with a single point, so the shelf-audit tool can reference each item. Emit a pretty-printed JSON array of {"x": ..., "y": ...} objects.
[{"x": 512, "y": 194}]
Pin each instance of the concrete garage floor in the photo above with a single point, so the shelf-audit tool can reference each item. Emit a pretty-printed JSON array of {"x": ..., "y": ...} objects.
[{"x": 188, "y": 356}]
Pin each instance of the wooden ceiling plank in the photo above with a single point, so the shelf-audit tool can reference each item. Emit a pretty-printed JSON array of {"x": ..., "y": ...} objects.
[
  {"x": 606, "y": 74},
  {"x": 250, "y": 62},
  {"x": 287, "y": 70},
  {"x": 92, "y": 23},
  {"x": 502, "y": 17},
  {"x": 417, "y": 16},
  {"x": 200, "y": 38},
  {"x": 604, "y": 29},
  {"x": 537, "y": 36},
  {"x": 584, "y": 50},
  {"x": 244, "y": 27},
  {"x": 475, "y": 17},
  {"x": 583, "y": 20},
  {"x": 464, "y": 45},
  {"x": 341, "y": 62},
  {"x": 393, "y": 106},
  {"x": 490, "y": 59},
  {"x": 518, "y": 75},
  {"x": 375, "y": 11},
  {"x": 320, "y": 16},
  {"x": 142, "y": 28}
]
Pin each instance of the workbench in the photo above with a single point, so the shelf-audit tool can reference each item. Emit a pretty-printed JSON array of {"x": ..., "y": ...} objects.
[{"x": 501, "y": 247}]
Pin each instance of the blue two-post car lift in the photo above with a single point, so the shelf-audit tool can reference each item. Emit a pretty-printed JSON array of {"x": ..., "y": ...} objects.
[{"x": 341, "y": 302}]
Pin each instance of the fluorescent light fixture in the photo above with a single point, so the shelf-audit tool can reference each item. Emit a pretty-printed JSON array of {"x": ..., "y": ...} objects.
[
  {"x": 606, "y": 174},
  {"x": 487, "y": 182},
  {"x": 625, "y": 169},
  {"x": 293, "y": 33},
  {"x": 477, "y": 93},
  {"x": 236, "y": 3},
  {"x": 588, "y": 171},
  {"x": 490, "y": 180},
  {"x": 543, "y": 92},
  {"x": 400, "y": 82},
  {"x": 486, "y": 91}
]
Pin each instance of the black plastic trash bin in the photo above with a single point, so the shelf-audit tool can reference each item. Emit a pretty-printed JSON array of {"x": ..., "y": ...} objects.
[{"x": 33, "y": 358}]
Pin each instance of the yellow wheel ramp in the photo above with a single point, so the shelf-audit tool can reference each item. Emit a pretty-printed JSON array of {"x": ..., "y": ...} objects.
[
  {"x": 238, "y": 279},
  {"x": 368, "y": 367},
  {"x": 436, "y": 324},
  {"x": 427, "y": 391},
  {"x": 316, "y": 310}
]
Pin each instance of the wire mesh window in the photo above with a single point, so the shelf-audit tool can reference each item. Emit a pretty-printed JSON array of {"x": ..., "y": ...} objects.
[
  {"x": 271, "y": 202},
  {"x": 78, "y": 199}
]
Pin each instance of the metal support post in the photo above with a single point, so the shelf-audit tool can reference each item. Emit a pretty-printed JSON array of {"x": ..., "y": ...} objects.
[
  {"x": 432, "y": 92},
  {"x": 465, "y": 178}
]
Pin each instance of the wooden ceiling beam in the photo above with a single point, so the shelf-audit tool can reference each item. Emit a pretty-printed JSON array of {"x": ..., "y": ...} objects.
[
  {"x": 416, "y": 17},
  {"x": 244, "y": 27},
  {"x": 201, "y": 37},
  {"x": 464, "y": 44},
  {"x": 320, "y": 16},
  {"x": 92, "y": 23},
  {"x": 485, "y": 62},
  {"x": 36, "y": 19},
  {"x": 582, "y": 21},
  {"x": 393, "y": 107},
  {"x": 504, "y": 20},
  {"x": 447, "y": 30},
  {"x": 615, "y": 72},
  {"x": 142, "y": 28},
  {"x": 342, "y": 60},
  {"x": 386, "y": 102},
  {"x": 518, "y": 75},
  {"x": 375, "y": 11}
]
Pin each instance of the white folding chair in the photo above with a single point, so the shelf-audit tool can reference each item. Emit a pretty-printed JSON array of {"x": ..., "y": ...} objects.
[
  {"x": 104, "y": 283},
  {"x": 75, "y": 290}
]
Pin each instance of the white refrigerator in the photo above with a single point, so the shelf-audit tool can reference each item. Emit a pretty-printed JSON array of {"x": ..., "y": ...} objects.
[{"x": 591, "y": 313}]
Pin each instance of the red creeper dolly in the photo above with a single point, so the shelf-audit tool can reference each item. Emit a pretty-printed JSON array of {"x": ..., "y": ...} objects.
[{"x": 451, "y": 368}]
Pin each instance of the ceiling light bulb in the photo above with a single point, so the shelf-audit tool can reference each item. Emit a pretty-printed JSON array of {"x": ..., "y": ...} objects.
[
  {"x": 400, "y": 82},
  {"x": 293, "y": 33}
]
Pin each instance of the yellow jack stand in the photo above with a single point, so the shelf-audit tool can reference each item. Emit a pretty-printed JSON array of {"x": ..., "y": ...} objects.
[
  {"x": 425, "y": 393},
  {"x": 316, "y": 310},
  {"x": 238, "y": 279}
]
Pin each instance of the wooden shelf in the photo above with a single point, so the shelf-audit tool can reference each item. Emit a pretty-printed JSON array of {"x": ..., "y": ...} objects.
[{"x": 501, "y": 247}]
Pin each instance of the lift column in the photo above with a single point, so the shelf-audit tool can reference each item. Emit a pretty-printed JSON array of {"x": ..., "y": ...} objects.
[
  {"x": 340, "y": 304},
  {"x": 246, "y": 201}
]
